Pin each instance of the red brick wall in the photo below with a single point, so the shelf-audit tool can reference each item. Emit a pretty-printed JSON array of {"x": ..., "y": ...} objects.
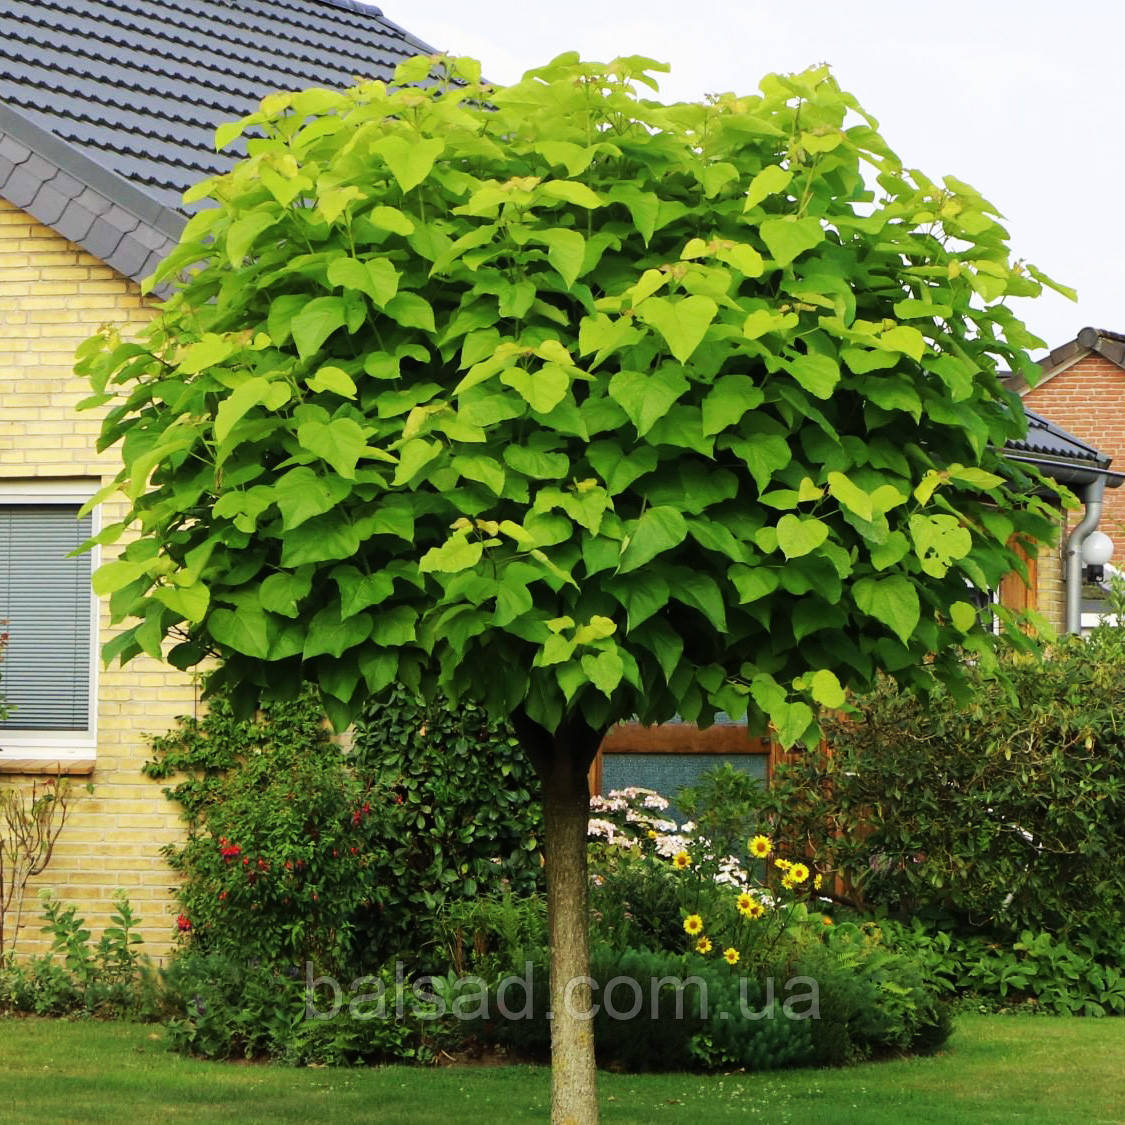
[{"x": 1088, "y": 399}]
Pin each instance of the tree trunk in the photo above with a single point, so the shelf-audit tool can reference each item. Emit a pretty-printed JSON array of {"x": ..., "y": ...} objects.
[{"x": 562, "y": 761}]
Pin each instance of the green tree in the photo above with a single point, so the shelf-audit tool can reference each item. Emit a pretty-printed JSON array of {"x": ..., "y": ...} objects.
[{"x": 574, "y": 404}]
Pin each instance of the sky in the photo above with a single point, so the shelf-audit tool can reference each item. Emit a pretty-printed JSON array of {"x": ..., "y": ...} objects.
[{"x": 1023, "y": 99}]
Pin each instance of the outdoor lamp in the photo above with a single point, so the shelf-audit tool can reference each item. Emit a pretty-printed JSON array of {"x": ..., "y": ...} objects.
[{"x": 1097, "y": 550}]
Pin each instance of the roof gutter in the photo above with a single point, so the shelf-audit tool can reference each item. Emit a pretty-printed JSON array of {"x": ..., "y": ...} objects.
[{"x": 1092, "y": 495}]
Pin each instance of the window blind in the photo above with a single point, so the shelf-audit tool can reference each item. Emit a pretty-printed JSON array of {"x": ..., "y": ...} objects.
[{"x": 45, "y": 598}]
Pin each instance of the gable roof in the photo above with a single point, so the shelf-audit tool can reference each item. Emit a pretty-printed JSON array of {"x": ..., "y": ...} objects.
[{"x": 108, "y": 108}]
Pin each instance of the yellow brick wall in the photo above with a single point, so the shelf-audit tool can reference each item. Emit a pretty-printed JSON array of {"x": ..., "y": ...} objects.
[
  {"x": 53, "y": 296},
  {"x": 1051, "y": 590}
]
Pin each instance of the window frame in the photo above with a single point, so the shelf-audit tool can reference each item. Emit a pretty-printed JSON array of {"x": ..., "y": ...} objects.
[{"x": 68, "y": 751}]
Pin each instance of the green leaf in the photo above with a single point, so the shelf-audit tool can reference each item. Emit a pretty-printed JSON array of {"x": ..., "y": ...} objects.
[
  {"x": 642, "y": 594},
  {"x": 410, "y": 161},
  {"x": 245, "y": 630},
  {"x": 411, "y": 311},
  {"x": 850, "y": 496},
  {"x": 319, "y": 318},
  {"x": 893, "y": 601},
  {"x": 763, "y": 454},
  {"x": 570, "y": 191},
  {"x": 334, "y": 380},
  {"x": 245, "y": 397},
  {"x": 752, "y": 582},
  {"x": 485, "y": 470},
  {"x": 818, "y": 374},
  {"x": 378, "y": 278},
  {"x": 892, "y": 550},
  {"x": 659, "y": 529},
  {"x": 963, "y": 615},
  {"x": 598, "y": 628},
  {"x": 825, "y": 688},
  {"x": 341, "y": 442},
  {"x": 542, "y": 389},
  {"x": 329, "y": 635},
  {"x": 647, "y": 397},
  {"x": 566, "y": 251},
  {"x": 617, "y": 468},
  {"x": 788, "y": 238},
  {"x": 454, "y": 555},
  {"x": 769, "y": 181},
  {"x": 939, "y": 541},
  {"x": 536, "y": 464},
  {"x": 280, "y": 592},
  {"x": 791, "y": 721},
  {"x": 243, "y": 231},
  {"x": 209, "y": 351},
  {"x": 302, "y": 494},
  {"x": 797, "y": 536},
  {"x": 604, "y": 669},
  {"x": 190, "y": 602},
  {"x": 682, "y": 321},
  {"x": 415, "y": 455},
  {"x": 727, "y": 400},
  {"x": 359, "y": 591},
  {"x": 903, "y": 339},
  {"x": 394, "y": 627}
]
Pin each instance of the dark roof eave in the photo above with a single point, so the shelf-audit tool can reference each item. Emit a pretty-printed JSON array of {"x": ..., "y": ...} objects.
[
  {"x": 114, "y": 220},
  {"x": 1069, "y": 472}
]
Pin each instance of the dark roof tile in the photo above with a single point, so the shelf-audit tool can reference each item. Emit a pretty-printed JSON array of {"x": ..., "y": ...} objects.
[
  {"x": 141, "y": 88},
  {"x": 118, "y": 102}
]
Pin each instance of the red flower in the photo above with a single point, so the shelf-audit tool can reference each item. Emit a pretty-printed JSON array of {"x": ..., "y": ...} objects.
[
  {"x": 355, "y": 851},
  {"x": 184, "y": 923},
  {"x": 335, "y": 854},
  {"x": 222, "y": 896},
  {"x": 366, "y": 809},
  {"x": 355, "y": 817}
]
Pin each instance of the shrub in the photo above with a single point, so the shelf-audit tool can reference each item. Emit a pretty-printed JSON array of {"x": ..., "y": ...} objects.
[
  {"x": 298, "y": 850},
  {"x": 110, "y": 978},
  {"x": 1002, "y": 812},
  {"x": 459, "y": 820}
]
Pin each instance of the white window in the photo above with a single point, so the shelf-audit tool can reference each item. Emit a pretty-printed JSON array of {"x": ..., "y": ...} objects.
[{"x": 48, "y": 674}]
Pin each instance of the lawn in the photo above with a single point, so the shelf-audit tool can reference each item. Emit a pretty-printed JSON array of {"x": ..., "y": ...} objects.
[{"x": 995, "y": 1069}]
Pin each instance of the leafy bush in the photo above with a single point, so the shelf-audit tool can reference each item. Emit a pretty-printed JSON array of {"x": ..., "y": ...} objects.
[
  {"x": 1036, "y": 969},
  {"x": 110, "y": 978},
  {"x": 459, "y": 817},
  {"x": 659, "y": 1010},
  {"x": 1004, "y": 811},
  {"x": 298, "y": 850}
]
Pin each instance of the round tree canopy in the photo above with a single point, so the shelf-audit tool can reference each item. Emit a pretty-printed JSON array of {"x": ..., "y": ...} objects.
[{"x": 570, "y": 401}]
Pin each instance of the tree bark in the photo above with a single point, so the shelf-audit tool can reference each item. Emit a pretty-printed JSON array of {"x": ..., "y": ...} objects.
[{"x": 562, "y": 761}]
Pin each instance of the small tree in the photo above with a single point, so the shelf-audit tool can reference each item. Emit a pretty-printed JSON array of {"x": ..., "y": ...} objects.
[{"x": 575, "y": 404}]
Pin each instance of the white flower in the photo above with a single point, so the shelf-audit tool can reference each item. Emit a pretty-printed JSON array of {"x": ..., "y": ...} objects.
[{"x": 655, "y": 801}]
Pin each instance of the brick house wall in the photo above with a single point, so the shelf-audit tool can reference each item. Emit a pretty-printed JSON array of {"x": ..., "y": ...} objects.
[
  {"x": 53, "y": 295},
  {"x": 1088, "y": 399}
]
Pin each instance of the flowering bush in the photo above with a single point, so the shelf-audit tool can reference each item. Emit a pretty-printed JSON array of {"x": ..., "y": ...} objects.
[{"x": 660, "y": 884}]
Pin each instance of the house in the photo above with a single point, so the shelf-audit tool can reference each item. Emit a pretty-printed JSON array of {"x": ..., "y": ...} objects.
[
  {"x": 1082, "y": 387},
  {"x": 107, "y": 113}
]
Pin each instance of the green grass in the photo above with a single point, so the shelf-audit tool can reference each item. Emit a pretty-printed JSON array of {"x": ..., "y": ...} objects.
[{"x": 1037, "y": 1070}]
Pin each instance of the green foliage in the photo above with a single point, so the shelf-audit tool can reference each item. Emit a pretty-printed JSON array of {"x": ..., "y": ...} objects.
[
  {"x": 838, "y": 1003},
  {"x": 655, "y": 408},
  {"x": 110, "y": 978},
  {"x": 1003, "y": 811},
  {"x": 459, "y": 819},
  {"x": 222, "y": 1008},
  {"x": 1037, "y": 969},
  {"x": 297, "y": 850}
]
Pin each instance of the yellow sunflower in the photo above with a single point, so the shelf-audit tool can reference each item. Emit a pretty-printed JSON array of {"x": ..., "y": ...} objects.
[
  {"x": 756, "y": 911},
  {"x": 798, "y": 872},
  {"x": 693, "y": 924},
  {"x": 745, "y": 901},
  {"x": 760, "y": 847},
  {"x": 703, "y": 945},
  {"x": 730, "y": 955},
  {"x": 787, "y": 881},
  {"x": 818, "y": 882},
  {"x": 681, "y": 860},
  {"x": 782, "y": 864}
]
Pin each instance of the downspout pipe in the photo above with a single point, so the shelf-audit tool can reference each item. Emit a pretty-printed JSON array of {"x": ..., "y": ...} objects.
[{"x": 1092, "y": 495}]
